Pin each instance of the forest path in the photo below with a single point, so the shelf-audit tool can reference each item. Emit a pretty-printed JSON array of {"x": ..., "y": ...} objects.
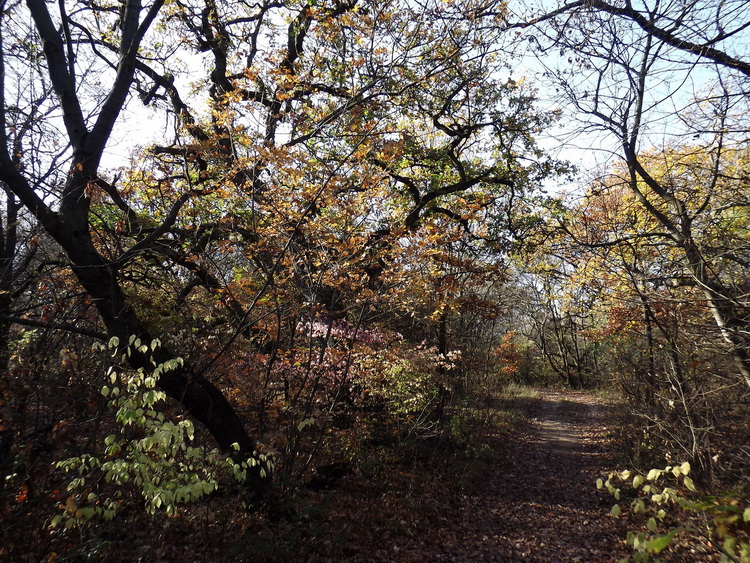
[
  {"x": 538, "y": 502},
  {"x": 533, "y": 499}
]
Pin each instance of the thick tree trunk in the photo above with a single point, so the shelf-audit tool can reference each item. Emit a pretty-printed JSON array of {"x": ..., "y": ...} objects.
[
  {"x": 202, "y": 400},
  {"x": 69, "y": 226}
]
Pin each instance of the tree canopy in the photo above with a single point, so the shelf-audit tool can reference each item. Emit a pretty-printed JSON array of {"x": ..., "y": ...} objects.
[{"x": 331, "y": 220}]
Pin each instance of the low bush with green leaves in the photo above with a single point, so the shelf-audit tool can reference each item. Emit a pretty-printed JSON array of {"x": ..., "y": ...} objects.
[
  {"x": 149, "y": 456},
  {"x": 675, "y": 511}
]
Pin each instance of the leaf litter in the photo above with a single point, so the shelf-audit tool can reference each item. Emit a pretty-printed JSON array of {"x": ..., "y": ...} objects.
[{"x": 534, "y": 500}]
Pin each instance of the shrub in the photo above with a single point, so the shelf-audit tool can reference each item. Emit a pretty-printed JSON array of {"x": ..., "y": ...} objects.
[
  {"x": 149, "y": 456},
  {"x": 674, "y": 509}
]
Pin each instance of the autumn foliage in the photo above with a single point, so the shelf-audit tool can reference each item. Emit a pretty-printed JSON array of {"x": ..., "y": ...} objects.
[{"x": 326, "y": 248}]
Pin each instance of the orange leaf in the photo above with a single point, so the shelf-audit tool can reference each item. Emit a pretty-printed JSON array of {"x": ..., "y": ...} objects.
[{"x": 23, "y": 495}]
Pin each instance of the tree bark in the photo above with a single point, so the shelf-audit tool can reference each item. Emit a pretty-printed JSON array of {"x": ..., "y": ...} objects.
[
  {"x": 722, "y": 310},
  {"x": 69, "y": 227}
]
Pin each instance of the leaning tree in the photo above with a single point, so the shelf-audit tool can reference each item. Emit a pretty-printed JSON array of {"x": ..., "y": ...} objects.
[{"x": 282, "y": 120}]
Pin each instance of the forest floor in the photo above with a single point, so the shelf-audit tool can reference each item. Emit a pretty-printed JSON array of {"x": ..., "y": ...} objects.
[
  {"x": 538, "y": 501},
  {"x": 532, "y": 497},
  {"x": 514, "y": 482}
]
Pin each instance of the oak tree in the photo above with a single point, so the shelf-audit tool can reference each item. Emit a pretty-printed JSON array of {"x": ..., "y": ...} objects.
[{"x": 306, "y": 143}]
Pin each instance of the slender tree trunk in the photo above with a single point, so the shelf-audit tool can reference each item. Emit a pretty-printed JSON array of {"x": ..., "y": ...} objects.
[
  {"x": 70, "y": 229},
  {"x": 722, "y": 309},
  {"x": 442, "y": 370},
  {"x": 680, "y": 232}
]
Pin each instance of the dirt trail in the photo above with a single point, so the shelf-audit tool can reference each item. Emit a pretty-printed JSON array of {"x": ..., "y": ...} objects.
[
  {"x": 535, "y": 502},
  {"x": 539, "y": 502}
]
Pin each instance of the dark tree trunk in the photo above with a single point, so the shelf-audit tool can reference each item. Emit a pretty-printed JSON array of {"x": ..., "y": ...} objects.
[
  {"x": 202, "y": 399},
  {"x": 443, "y": 372},
  {"x": 70, "y": 227}
]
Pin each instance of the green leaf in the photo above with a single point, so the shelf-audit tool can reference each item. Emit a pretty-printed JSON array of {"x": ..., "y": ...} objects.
[
  {"x": 599, "y": 484},
  {"x": 307, "y": 422},
  {"x": 689, "y": 484},
  {"x": 637, "y": 481},
  {"x": 746, "y": 515},
  {"x": 189, "y": 429},
  {"x": 639, "y": 542},
  {"x": 616, "y": 510},
  {"x": 651, "y": 524},
  {"x": 729, "y": 546},
  {"x": 659, "y": 543},
  {"x": 685, "y": 468}
]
